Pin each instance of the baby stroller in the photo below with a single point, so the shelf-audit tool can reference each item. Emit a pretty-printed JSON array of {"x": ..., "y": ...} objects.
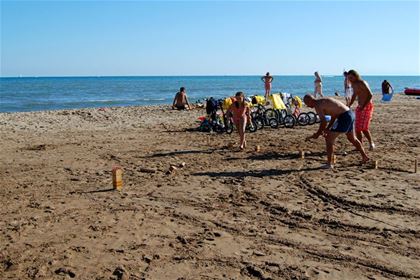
[{"x": 260, "y": 115}]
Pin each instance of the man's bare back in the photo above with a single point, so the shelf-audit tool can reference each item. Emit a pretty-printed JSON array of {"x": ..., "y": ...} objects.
[
  {"x": 180, "y": 99},
  {"x": 328, "y": 106}
]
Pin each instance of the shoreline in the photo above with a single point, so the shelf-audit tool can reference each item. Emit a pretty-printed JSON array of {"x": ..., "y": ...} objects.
[{"x": 158, "y": 106}]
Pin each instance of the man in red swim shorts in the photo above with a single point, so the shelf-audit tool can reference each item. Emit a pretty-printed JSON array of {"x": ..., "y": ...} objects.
[{"x": 364, "y": 109}]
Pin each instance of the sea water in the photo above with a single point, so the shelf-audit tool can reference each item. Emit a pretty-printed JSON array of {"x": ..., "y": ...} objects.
[{"x": 52, "y": 93}]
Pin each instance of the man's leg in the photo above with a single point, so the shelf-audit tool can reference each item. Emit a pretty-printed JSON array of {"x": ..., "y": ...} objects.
[
  {"x": 356, "y": 143},
  {"x": 330, "y": 139}
]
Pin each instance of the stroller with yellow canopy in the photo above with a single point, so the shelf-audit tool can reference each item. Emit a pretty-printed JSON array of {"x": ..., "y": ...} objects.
[{"x": 259, "y": 113}]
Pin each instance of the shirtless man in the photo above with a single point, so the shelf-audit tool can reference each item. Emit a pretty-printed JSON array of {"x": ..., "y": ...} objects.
[
  {"x": 364, "y": 109},
  {"x": 181, "y": 100},
  {"x": 267, "y": 79},
  {"x": 342, "y": 119}
]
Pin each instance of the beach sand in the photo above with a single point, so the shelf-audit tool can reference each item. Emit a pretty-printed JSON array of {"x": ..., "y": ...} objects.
[{"x": 224, "y": 215}]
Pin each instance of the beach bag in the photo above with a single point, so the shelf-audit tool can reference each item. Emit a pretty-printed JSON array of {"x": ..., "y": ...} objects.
[{"x": 211, "y": 106}]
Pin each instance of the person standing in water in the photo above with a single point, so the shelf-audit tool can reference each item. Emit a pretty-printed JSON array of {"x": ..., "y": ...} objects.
[
  {"x": 348, "y": 90},
  {"x": 318, "y": 85},
  {"x": 267, "y": 79},
  {"x": 240, "y": 112},
  {"x": 364, "y": 110}
]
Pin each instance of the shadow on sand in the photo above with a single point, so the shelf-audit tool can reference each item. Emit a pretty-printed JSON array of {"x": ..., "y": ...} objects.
[
  {"x": 255, "y": 173},
  {"x": 185, "y": 152},
  {"x": 279, "y": 156},
  {"x": 94, "y": 191}
]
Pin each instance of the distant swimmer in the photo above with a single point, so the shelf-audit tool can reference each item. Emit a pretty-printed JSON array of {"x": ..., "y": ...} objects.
[
  {"x": 181, "y": 100},
  {"x": 364, "y": 110},
  {"x": 318, "y": 85},
  {"x": 267, "y": 79},
  {"x": 342, "y": 120}
]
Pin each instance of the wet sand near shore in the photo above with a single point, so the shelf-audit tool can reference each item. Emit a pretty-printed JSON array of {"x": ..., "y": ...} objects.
[{"x": 224, "y": 215}]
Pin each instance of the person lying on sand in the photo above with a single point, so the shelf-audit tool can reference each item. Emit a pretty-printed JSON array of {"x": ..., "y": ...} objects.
[
  {"x": 342, "y": 119},
  {"x": 364, "y": 110},
  {"x": 181, "y": 100},
  {"x": 240, "y": 112}
]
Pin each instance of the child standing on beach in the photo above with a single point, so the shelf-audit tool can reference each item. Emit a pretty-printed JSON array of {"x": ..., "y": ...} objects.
[
  {"x": 318, "y": 85},
  {"x": 241, "y": 115}
]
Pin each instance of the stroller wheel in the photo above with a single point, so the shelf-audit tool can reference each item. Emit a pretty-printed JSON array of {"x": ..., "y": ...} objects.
[
  {"x": 289, "y": 121},
  {"x": 312, "y": 118},
  {"x": 274, "y": 123},
  {"x": 303, "y": 119}
]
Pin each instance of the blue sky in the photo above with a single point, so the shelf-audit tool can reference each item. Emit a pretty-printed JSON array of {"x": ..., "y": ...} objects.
[{"x": 65, "y": 38}]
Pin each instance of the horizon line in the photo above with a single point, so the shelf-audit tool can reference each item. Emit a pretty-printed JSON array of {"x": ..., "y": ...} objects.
[{"x": 206, "y": 75}]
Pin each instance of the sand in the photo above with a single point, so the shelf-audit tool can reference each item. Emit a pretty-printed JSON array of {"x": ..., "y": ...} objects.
[{"x": 224, "y": 215}]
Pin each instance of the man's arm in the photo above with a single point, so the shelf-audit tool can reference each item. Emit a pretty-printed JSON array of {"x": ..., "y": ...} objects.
[
  {"x": 331, "y": 122},
  {"x": 353, "y": 97},
  {"x": 176, "y": 97},
  {"x": 322, "y": 125},
  {"x": 188, "y": 103}
]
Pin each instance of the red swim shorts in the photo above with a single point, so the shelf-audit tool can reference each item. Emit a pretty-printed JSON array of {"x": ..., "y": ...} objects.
[{"x": 363, "y": 117}]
